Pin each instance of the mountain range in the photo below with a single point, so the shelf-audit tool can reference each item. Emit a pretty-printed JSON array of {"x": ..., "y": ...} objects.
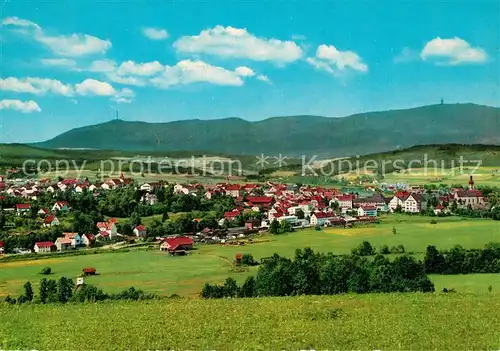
[{"x": 296, "y": 135}]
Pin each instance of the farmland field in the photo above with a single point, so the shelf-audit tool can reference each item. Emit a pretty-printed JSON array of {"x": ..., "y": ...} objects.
[
  {"x": 156, "y": 272},
  {"x": 369, "y": 322}
]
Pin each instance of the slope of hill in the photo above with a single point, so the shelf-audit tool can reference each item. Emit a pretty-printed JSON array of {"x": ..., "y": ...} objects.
[{"x": 296, "y": 135}]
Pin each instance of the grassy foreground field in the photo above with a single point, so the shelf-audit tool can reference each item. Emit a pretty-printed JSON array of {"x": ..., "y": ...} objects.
[
  {"x": 156, "y": 272},
  {"x": 363, "y": 322}
]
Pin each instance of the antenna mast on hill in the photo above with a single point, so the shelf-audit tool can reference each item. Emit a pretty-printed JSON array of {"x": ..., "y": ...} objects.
[
  {"x": 442, "y": 101},
  {"x": 117, "y": 115}
]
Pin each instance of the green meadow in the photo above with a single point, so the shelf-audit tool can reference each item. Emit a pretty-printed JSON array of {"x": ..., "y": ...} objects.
[
  {"x": 409, "y": 321},
  {"x": 156, "y": 272}
]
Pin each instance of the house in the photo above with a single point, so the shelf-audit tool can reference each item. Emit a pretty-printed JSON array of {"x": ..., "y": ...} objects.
[
  {"x": 378, "y": 200},
  {"x": 63, "y": 243},
  {"x": 76, "y": 239},
  {"x": 439, "y": 209},
  {"x": 232, "y": 215},
  {"x": 149, "y": 199},
  {"x": 107, "y": 229},
  {"x": 414, "y": 203},
  {"x": 259, "y": 201},
  {"x": 1, "y": 248},
  {"x": 344, "y": 201},
  {"x": 140, "y": 230},
  {"x": 43, "y": 212},
  {"x": 410, "y": 203},
  {"x": 22, "y": 209},
  {"x": 60, "y": 206},
  {"x": 43, "y": 246},
  {"x": 321, "y": 218},
  {"x": 233, "y": 190},
  {"x": 177, "y": 243},
  {"x": 88, "y": 239},
  {"x": 50, "y": 221},
  {"x": 367, "y": 211},
  {"x": 472, "y": 197}
]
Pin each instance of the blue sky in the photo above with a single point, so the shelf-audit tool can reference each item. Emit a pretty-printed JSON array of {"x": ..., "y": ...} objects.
[{"x": 70, "y": 64}]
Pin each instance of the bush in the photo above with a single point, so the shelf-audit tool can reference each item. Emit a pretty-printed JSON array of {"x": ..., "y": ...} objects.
[
  {"x": 434, "y": 221},
  {"x": 248, "y": 260},
  {"x": 46, "y": 271},
  {"x": 364, "y": 249},
  {"x": 397, "y": 249},
  {"x": 384, "y": 250}
]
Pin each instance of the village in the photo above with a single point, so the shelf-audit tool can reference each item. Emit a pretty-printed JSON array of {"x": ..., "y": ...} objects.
[{"x": 291, "y": 206}]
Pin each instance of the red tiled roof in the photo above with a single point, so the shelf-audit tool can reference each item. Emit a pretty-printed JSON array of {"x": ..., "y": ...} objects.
[
  {"x": 91, "y": 237},
  {"x": 233, "y": 187},
  {"x": 231, "y": 214},
  {"x": 174, "y": 243},
  {"x": 140, "y": 228},
  {"x": 345, "y": 197},
  {"x": 368, "y": 208},
  {"x": 49, "y": 219},
  {"x": 439, "y": 207},
  {"x": 23, "y": 206},
  {"x": 260, "y": 199},
  {"x": 1, "y": 243},
  {"x": 44, "y": 244}
]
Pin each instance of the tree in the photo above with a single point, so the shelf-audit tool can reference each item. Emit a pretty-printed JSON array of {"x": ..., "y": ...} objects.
[
  {"x": 28, "y": 291},
  {"x": 43, "y": 290},
  {"x": 164, "y": 216},
  {"x": 248, "y": 260},
  {"x": 52, "y": 295},
  {"x": 231, "y": 287},
  {"x": 434, "y": 261},
  {"x": 274, "y": 227},
  {"x": 364, "y": 249},
  {"x": 135, "y": 219},
  {"x": 300, "y": 214},
  {"x": 248, "y": 288},
  {"x": 65, "y": 289}
]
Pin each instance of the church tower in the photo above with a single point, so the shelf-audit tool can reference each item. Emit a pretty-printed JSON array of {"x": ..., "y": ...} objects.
[{"x": 471, "y": 183}]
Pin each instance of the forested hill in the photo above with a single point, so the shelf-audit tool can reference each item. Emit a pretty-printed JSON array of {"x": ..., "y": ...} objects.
[{"x": 296, "y": 135}]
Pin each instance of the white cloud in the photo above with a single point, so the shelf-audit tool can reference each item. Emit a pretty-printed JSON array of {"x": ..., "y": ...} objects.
[
  {"x": 124, "y": 96},
  {"x": 95, "y": 87},
  {"x": 452, "y": 51},
  {"x": 263, "y": 78},
  {"x": 33, "y": 85},
  {"x": 18, "y": 22},
  {"x": 155, "y": 33},
  {"x": 102, "y": 66},
  {"x": 60, "y": 62},
  {"x": 18, "y": 105},
  {"x": 188, "y": 71},
  {"x": 244, "y": 71},
  {"x": 330, "y": 59},
  {"x": 139, "y": 69},
  {"x": 232, "y": 42},
  {"x": 72, "y": 45},
  {"x": 341, "y": 59},
  {"x": 320, "y": 65}
]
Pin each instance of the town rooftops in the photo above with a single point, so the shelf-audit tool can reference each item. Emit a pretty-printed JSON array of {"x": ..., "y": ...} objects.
[{"x": 23, "y": 206}]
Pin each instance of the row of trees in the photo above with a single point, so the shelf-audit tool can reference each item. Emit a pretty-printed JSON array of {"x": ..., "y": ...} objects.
[
  {"x": 311, "y": 273},
  {"x": 63, "y": 291},
  {"x": 461, "y": 261}
]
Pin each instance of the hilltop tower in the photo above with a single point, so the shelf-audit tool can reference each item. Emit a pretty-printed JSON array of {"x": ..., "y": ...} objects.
[{"x": 471, "y": 183}]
